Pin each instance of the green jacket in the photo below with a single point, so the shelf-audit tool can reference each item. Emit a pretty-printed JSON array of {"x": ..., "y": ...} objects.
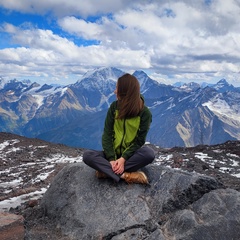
[{"x": 122, "y": 137}]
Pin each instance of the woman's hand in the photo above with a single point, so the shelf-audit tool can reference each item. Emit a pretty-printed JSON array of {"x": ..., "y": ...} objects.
[{"x": 118, "y": 165}]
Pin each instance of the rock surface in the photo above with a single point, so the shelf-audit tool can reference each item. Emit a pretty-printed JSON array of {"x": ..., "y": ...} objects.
[
  {"x": 215, "y": 216},
  {"x": 29, "y": 160},
  {"x": 175, "y": 205},
  {"x": 11, "y": 226}
]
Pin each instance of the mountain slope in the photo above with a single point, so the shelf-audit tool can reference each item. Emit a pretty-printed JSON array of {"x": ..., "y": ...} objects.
[
  {"x": 188, "y": 120},
  {"x": 187, "y": 115}
]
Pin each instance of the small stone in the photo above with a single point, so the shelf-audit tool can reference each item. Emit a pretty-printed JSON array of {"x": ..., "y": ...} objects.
[
  {"x": 32, "y": 203},
  {"x": 205, "y": 167}
]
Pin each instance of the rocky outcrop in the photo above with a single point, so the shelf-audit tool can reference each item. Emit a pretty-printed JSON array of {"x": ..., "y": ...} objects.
[
  {"x": 215, "y": 216},
  {"x": 175, "y": 205}
]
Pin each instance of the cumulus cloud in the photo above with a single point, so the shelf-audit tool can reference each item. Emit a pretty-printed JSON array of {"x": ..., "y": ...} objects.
[
  {"x": 79, "y": 27},
  {"x": 65, "y": 8},
  {"x": 45, "y": 54},
  {"x": 195, "y": 40}
]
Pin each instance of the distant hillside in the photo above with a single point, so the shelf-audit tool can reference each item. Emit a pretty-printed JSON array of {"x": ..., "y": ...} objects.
[{"x": 183, "y": 115}]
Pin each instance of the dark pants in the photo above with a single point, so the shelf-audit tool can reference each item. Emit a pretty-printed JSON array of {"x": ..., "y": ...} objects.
[{"x": 96, "y": 159}]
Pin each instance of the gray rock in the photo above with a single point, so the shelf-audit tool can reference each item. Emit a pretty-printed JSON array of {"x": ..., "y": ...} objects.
[
  {"x": 215, "y": 216},
  {"x": 170, "y": 207}
]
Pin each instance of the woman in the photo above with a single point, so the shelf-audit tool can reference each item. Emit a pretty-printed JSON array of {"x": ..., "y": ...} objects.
[{"x": 125, "y": 130}]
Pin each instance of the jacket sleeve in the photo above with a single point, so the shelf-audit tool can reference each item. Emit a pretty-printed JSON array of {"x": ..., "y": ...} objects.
[
  {"x": 108, "y": 133},
  {"x": 139, "y": 141}
]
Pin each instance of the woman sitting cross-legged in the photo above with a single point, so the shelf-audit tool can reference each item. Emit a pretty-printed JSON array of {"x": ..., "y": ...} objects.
[{"x": 125, "y": 130}]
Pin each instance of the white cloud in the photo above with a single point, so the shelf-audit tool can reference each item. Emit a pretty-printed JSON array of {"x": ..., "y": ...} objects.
[
  {"x": 64, "y": 8},
  {"x": 175, "y": 39},
  {"x": 79, "y": 27},
  {"x": 46, "y": 54}
]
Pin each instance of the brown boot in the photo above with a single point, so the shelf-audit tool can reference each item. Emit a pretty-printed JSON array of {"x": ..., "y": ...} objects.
[
  {"x": 135, "y": 177},
  {"x": 101, "y": 175}
]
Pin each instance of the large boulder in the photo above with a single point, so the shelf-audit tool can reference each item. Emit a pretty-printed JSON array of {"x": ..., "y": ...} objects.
[
  {"x": 175, "y": 205},
  {"x": 215, "y": 216}
]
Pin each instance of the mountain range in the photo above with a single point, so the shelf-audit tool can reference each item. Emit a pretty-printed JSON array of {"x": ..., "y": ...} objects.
[{"x": 184, "y": 115}]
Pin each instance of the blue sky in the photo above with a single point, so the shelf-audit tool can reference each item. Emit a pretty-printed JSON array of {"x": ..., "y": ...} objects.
[{"x": 57, "y": 41}]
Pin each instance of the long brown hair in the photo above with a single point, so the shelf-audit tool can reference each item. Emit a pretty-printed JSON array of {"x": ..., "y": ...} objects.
[{"x": 128, "y": 93}]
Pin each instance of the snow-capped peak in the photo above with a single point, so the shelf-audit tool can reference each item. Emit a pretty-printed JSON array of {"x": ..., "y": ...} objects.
[
  {"x": 103, "y": 73},
  {"x": 223, "y": 86}
]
